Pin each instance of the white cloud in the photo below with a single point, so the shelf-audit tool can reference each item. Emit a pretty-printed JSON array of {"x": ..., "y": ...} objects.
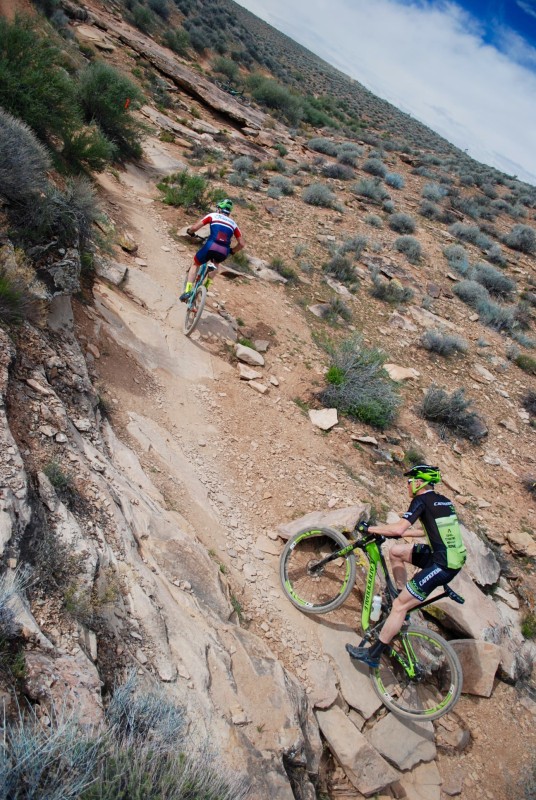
[{"x": 429, "y": 60}]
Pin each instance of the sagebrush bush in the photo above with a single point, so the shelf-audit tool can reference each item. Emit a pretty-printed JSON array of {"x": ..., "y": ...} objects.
[
  {"x": 471, "y": 292},
  {"x": 471, "y": 234},
  {"x": 145, "y": 752},
  {"x": 434, "y": 192},
  {"x": 496, "y": 282},
  {"x": 374, "y": 166},
  {"x": 348, "y": 153},
  {"x": 244, "y": 164},
  {"x": 454, "y": 412},
  {"x": 495, "y": 255},
  {"x": 15, "y": 302},
  {"x": 496, "y": 316},
  {"x": 374, "y": 220},
  {"x": 529, "y": 402},
  {"x": 395, "y": 180},
  {"x": 443, "y": 344},
  {"x": 186, "y": 190},
  {"x": 355, "y": 245},
  {"x": 318, "y": 194},
  {"x": 391, "y": 291},
  {"x": 282, "y": 183},
  {"x": 410, "y": 247},
  {"x": 371, "y": 189},
  {"x": 522, "y": 238},
  {"x": 177, "y": 40},
  {"x": 402, "y": 223},
  {"x": 107, "y": 97},
  {"x": 283, "y": 269},
  {"x": 34, "y": 85},
  {"x": 359, "y": 386},
  {"x": 457, "y": 258},
  {"x": 340, "y": 267},
  {"x": 321, "y": 145},
  {"x": 430, "y": 210},
  {"x": 339, "y": 171},
  {"x": 526, "y": 363},
  {"x": 23, "y": 161}
]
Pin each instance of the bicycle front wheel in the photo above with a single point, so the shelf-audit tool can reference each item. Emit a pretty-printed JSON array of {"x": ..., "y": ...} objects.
[
  {"x": 436, "y": 685},
  {"x": 194, "y": 309},
  {"x": 311, "y": 588}
]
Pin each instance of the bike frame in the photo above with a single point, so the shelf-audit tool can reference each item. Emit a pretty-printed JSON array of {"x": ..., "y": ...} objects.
[
  {"x": 371, "y": 546},
  {"x": 200, "y": 278}
]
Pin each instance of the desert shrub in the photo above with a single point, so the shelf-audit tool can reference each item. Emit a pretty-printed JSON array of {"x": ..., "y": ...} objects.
[
  {"x": 388, "y": 206},
  {"x": 456, "y": 256},
  {"x": 522, "y": 238},
  {"x": 142, "y": 18},
  {"x": 355, "y": 245},
  {"x": 471, "y": 292},
  {"x": 239, "y": 179},
  {"x": 391, "y": 291},
  {"x": 177, "y": 40},
  {"x": 495, "y": 281},
  {"x": 281, "y": 149},
  {"x": 529, "y": 402},
  {"x": 318, "y": 194},
  {"x": 184, "y": 189},
  {"x": 285, "y": 271},
  {"x": 244, "y": 164},
  {"x": 374, "y": 220},
  {"x": 371, "y": 189},
  {"x": 471, "y": 234},
  {"x": 340, "y": 267},
  {"x": 496, "y": 316},
  {"x": 410, "y": 247},
  {"x": 338, "y": 171},
  {"x": 321, "y": 145},
  {"x": 348, "y": 154},
  {"x": 282, "y": 183},
  {"x": 526, "y": 363},
  {"x": 160, "y": 7},
  {"x": 272, "y": 94},
  {"x": 430, "y": 210},
  {"x": 16, "y": 305},
  {"x": 359, "y": 386},
  {"x": 34, "y": 85},
  {"x": 443, "y": 344},
  {"x": 395, "y": 180},
  {"x": 106, "y": 96},
  {"x": 452, "y": 411},
  {"x": 274, "y": 192},
  {"x": 402, "y": 223},
  {"x": 374, "y": 166},
  {"x": 227, "y": 67},
  {"x": 88, "y": 148},
  {"x": 434, "y": 192},
  {"x": 23, "y": 161}
]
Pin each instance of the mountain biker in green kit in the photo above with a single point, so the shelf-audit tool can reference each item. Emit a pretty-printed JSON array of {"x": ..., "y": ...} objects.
[{"x": 440, "y": 560}]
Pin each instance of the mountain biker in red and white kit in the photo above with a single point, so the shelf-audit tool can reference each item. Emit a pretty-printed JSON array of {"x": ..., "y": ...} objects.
[
  {"x": 218, "y": 245},
  {"x": 439, "y": 561}
]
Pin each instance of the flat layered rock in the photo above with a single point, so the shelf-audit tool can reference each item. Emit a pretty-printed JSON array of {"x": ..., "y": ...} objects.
[
  {"x": 480, "y": 661},
  {"x": 404, "y": 743},
  {"x": 324, "y": 418}
]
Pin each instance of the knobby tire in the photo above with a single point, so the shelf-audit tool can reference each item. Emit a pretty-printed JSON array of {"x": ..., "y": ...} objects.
[
  {"x": 316, "y": 593},
  {"x": 436, "y": 689},
  {"x": 194, "y": 309}
]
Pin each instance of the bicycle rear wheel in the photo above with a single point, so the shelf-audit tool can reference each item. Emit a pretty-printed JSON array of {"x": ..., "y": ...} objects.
[
  {"x": 316, "y": 591},
  {"x": 437, "y": 684},
  {"x": 194, "y": 309}
]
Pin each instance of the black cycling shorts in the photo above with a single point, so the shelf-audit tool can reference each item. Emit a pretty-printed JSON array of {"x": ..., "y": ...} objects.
[{"x": 430, "y": 576}]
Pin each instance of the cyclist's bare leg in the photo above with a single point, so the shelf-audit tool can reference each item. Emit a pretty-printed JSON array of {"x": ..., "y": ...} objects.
[
  {"x": 403, "y": 603},
  {"x": 399, "y": 556}
]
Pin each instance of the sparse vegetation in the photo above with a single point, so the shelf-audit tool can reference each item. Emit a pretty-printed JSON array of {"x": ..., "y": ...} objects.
[
  {"x": 529, "y": 402},
  {"x": 318, "y": 194},
  {"x": 526, "y": 363},
  {"x": 453, "y": 412},
  {"x": 341, "y": 268},
  {"x": 371, "y": 189},
  {"x": 391, "y": 291},
  {"x": 496, "y": 282},
  {"x": 443, "y": 344},
  {"x": 359, "y": 386},
  {"x": 395, "y": 180},
  {"x": 402, "y": 223},
  {"x": 522, "y": 238},
  {"x": 185, "y": 189},
  {"x": 374, "y": 166},
  {"x": 410, "y": 247}
]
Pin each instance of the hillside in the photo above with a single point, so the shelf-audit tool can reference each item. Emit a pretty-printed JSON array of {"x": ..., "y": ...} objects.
[{"x": 147, "y": 485}]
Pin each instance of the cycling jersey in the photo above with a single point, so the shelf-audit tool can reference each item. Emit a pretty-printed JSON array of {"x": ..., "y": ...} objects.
[
  {"x": 440, "y": 523},
  {"x": 218, "y": 244}
]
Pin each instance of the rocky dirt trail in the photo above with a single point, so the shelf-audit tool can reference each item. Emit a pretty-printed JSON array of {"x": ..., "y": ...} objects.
[{"x": 235, "y": 464}]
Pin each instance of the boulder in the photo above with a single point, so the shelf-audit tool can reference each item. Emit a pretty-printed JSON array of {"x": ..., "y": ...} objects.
[
  {"x": 522, "y": 542},
  {"x": 422, "y": 783},
  {"x": 112, "y": 271},
  {"x": 323, "y": 418},
  {"x": 480, "y": 661},
  {"x": 397, "y": 373},
  {"x": 481, "y": 563},
  {"x": 248, "y": 374},
  {"x": 363, "y": 765},
  {"x": 249, "y": 356},
  {"x": 342, "y": 519},
  {"x": 323, "y": 682},
  {"x": 403, "y": 742}
]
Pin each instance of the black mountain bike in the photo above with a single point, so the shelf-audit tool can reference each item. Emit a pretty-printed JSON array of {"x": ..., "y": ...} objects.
[{"x": 420, "y": 676}]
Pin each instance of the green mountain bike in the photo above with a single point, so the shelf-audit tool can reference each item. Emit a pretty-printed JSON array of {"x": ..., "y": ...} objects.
[
  {"x": 420, "y": 677},
  {"x": 196, "y": 302}
]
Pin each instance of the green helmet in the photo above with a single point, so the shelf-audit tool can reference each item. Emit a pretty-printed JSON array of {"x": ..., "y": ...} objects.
[
  {"x": 423, "y": 473},
  {"x": 225, "y": 206}
]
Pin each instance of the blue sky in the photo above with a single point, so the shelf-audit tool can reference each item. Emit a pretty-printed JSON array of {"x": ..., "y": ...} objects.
[{"x": 466, "y": 69}]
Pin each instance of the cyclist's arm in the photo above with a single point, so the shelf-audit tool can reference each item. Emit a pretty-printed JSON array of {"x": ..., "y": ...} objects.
[
  {"x": 198, "y": 225},
  {"x": 238, "y": 246},
  {"x": 399, "y": 528}
]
